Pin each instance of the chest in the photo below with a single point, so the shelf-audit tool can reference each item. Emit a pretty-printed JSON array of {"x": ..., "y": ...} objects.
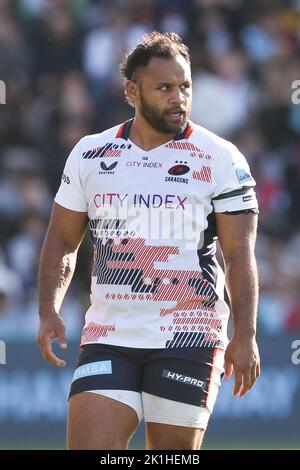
[{"x": 162, "y": 177}]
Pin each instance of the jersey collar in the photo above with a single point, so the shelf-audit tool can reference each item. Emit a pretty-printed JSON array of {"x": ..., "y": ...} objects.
[{"x": 123, "y": 131}]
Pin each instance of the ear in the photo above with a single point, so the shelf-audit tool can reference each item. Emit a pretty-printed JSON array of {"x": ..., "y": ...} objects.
[{"x": 131, "y": 91}]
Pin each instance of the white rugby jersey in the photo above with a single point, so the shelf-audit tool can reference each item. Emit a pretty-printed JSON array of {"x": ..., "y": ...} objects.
[{"x": 156, "y": 282}]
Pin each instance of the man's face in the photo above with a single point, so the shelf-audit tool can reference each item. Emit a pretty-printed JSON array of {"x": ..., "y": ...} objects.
[{"x": 164, "y": 94}]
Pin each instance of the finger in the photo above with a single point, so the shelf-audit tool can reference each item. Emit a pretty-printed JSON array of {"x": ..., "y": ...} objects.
[
  {"x": 247, "y": 382},
  {"x": 49, "y": 354},
  {"x": 253, "y": 375},
  {"x": 257, "y": 371},
  {"x": 238, "y": 381},
  {"x": 61, "y": 337},
  {"x": 228, "y": 370}
]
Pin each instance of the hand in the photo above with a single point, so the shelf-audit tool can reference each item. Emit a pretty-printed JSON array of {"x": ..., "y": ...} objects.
[
  {"x": 52, "y": 326},
  {"x": 242, "y": 357}
]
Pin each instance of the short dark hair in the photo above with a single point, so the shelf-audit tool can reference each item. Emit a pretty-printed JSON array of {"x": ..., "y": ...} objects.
[{"x": 155, "y": 44}]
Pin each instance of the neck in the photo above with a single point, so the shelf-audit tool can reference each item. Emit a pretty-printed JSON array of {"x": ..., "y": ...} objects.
[{"x": 145, "y": 136}]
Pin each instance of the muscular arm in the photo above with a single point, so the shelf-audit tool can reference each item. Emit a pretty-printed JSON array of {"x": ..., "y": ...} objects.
[
  {"x": 237, "y": 235},
  {"x": 57, "y": 265}
]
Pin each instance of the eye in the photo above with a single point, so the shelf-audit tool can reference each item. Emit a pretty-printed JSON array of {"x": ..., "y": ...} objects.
[
  {"x": 185, "y": 86},
  {"x": 164, "y": 87}
]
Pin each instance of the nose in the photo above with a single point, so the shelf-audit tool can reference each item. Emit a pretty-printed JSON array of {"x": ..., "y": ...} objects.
[{"x": 177, "y": 97}]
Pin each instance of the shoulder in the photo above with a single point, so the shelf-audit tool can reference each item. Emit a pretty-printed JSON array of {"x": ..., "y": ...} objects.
[
  {"x": 92, "y": 141},
  {"x": 212, "y": 144}
]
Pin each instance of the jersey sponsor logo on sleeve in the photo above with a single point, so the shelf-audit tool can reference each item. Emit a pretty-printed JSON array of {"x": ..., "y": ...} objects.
[
  {"x": 242, "y": 175},
  {"x": 65, "y": 178}
]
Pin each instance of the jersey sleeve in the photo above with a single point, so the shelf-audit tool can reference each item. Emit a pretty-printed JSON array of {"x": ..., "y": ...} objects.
[
  {"x": 234, "y": 184},
  {"x": 70, "y": 193}
]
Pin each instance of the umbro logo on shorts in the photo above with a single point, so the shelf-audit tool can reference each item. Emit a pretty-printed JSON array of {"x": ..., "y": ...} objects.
[{"x": 168, "y": 374}]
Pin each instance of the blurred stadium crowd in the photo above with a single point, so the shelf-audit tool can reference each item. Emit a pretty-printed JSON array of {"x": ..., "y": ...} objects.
[{"x": 59, "y": 60}]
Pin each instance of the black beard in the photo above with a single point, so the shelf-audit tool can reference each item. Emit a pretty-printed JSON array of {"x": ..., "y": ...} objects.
[{"x": 158, "y": 120}]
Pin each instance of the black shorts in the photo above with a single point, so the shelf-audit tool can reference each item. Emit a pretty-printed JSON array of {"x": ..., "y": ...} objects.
[{"x": 183, "y": 375}]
